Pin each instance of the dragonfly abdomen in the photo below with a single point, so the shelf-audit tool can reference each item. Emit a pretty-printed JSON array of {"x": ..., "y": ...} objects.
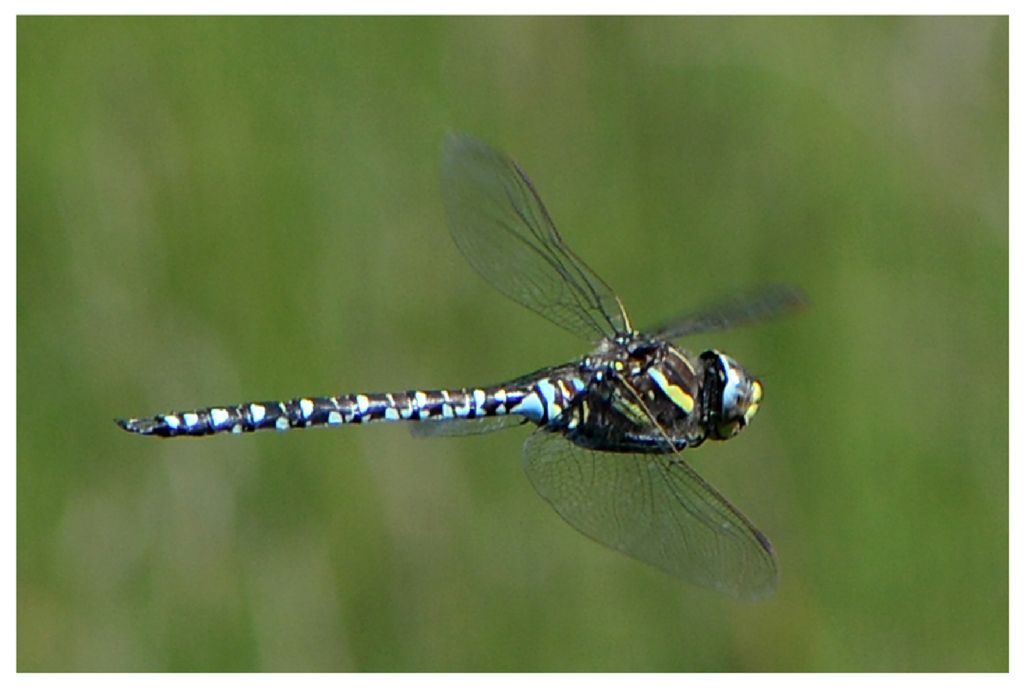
[{"x": 538, "y": 401}]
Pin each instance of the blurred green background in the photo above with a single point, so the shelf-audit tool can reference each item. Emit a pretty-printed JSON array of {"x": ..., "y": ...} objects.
[{"x": 223, "y": 209}]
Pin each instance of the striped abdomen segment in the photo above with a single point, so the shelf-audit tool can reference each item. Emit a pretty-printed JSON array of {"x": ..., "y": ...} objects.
[{"x": 538, "y": 402}]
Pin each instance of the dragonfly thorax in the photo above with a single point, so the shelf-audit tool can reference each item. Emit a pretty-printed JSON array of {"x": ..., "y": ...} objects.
[{"x": 642, "y": 394}]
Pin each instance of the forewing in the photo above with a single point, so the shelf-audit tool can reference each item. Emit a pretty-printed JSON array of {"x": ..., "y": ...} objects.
[
  {"x": 502, "y": 228},
  {"x": 656, "y": 508},
  {"x": 767, "y": 302}
]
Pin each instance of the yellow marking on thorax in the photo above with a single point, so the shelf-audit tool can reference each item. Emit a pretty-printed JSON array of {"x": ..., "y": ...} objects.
[
  {"x": 676, "y": 394},
  {"x": 630, "y": 409}
]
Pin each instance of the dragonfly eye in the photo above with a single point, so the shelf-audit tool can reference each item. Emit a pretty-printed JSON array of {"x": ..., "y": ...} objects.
[{"x": 738, "y": 395}]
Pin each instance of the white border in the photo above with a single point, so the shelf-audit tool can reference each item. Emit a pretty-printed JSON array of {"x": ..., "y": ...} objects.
[{"x": 879, "y": 7}]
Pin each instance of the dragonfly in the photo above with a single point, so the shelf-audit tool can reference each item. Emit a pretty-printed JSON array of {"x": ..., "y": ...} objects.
[{"x": 609, "y": 427}]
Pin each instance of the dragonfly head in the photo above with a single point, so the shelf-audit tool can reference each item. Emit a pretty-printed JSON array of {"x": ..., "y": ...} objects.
[{"x": 732, "y": 396}]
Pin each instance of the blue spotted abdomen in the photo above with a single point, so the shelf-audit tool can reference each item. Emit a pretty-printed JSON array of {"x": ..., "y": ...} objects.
[{"x": 539, "y": 401}]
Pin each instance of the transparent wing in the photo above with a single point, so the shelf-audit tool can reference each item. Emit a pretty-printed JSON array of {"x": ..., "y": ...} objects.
[
  {"x": 502, "y": 228},
  {"x": 768, "y": 302},
  {"x": 459, "y": 428},
  {"x": 656, "y": 508}
]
